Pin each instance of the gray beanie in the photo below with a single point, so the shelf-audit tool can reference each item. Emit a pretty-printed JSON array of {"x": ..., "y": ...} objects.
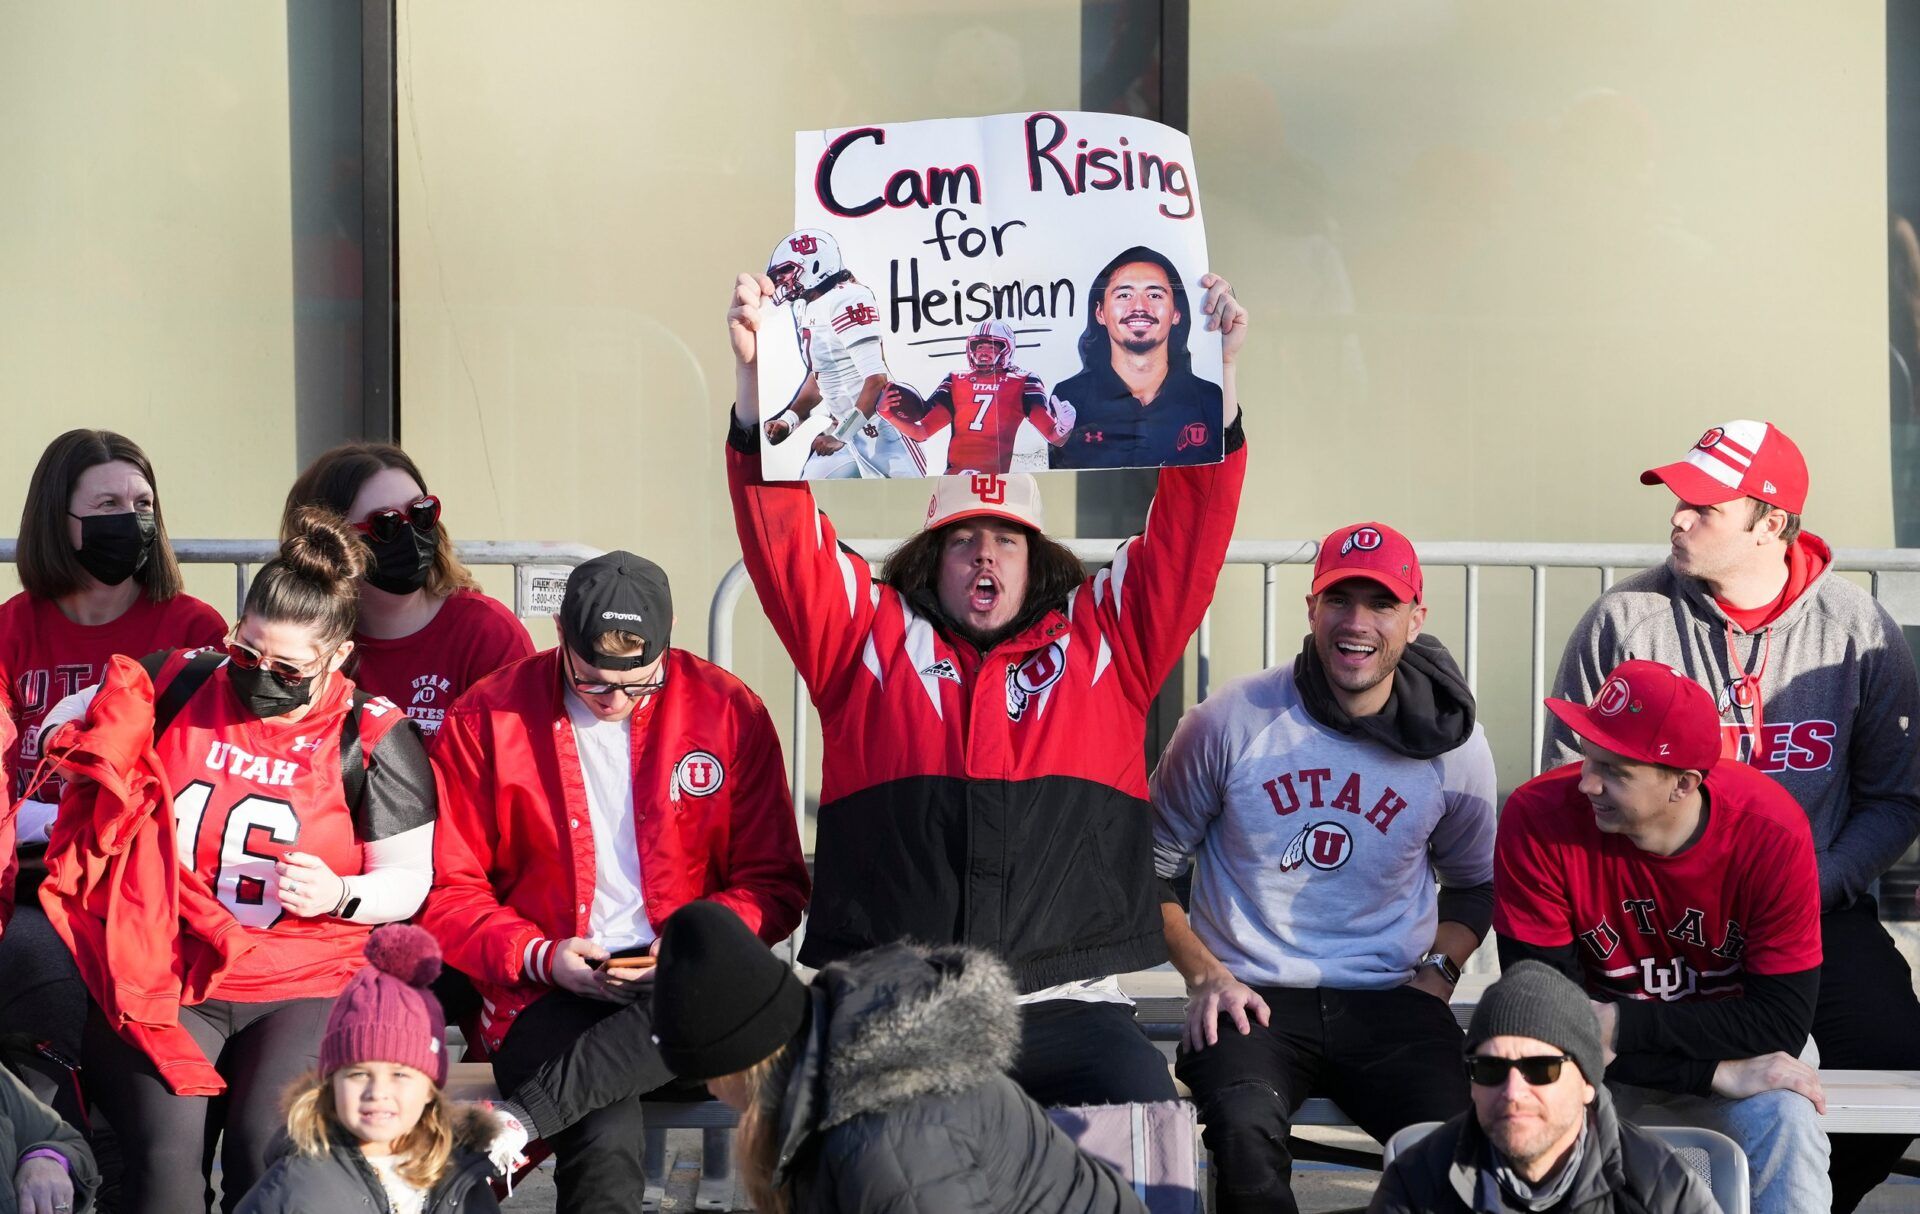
[{"x": 1535, "y": 1000}]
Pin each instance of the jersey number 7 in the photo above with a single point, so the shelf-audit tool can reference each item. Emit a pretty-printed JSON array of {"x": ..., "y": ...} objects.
[{"x": 983, "y": 401}]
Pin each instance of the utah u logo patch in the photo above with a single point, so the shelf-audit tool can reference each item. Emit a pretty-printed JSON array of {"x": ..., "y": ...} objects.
[
  {"x": 698, "y": 774},
  {"x": 1033, "y": 676}
]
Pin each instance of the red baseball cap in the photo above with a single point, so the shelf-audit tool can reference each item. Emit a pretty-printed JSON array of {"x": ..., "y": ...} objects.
[
  {"x": 1651, "y": 712},
  {"x": 1735, "y": 460},
  {"x": 1370, "y": 550},
  {"x": 1013, "y": 496}
]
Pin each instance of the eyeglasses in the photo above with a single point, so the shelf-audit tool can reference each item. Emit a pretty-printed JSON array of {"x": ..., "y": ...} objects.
[
  {"x": 248, "y": 658},
  {"x": 589, "y": 687},
  {"x": 384, "y": 525},
  {"x": 1538, "y": 1071}
]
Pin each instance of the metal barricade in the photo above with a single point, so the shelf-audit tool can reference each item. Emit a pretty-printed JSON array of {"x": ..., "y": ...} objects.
[
  {"x": 527, "y": 558},
  {"x": 1270, "y": 555}
]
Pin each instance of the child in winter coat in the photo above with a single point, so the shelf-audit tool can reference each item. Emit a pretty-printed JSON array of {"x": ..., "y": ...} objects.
[{"x": 371, "y": 1129}]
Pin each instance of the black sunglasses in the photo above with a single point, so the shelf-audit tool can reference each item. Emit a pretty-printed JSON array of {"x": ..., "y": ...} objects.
[
  {"x": 588, "y": 687},
  {"x": 383, "y": 525},
  {"x": 1539, "y": 1070}
]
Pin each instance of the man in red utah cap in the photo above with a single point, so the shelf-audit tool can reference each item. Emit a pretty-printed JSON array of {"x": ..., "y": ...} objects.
[
  {"x": 1815, "y": 686},
  {"x": 1319, "y": 801},
  {"x": 1681, "y": 890}
]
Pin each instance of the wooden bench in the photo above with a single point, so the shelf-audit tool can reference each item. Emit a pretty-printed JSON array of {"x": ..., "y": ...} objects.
[{"x": 1858, "y": 1102}]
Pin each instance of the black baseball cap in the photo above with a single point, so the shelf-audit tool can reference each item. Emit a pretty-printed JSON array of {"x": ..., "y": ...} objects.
[{"x": 617, "y": 592}]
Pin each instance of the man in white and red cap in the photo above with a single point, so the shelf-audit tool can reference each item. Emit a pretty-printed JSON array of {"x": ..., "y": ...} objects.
[
  {"x": 1815, "y": 686},
  {"x": 983, "y": 707},
  {"x": 1318, "y": 802},
  {"x": 1680, "y": 888}
]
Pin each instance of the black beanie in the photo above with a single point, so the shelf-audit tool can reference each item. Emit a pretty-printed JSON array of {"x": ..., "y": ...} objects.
[
  {"x": 1535, "y": 1000},
  {"x": 721, "y": 1000}
]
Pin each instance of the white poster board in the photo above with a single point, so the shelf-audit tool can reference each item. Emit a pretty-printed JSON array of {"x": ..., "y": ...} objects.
[{"x": 1080, "y": 233}]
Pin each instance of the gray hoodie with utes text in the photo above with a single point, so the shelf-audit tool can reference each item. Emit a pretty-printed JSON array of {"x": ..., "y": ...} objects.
[{"x": 1835, "y": 714}]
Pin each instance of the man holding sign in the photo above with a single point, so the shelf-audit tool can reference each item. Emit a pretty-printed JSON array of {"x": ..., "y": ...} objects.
[{"x": 984, "y": 713}]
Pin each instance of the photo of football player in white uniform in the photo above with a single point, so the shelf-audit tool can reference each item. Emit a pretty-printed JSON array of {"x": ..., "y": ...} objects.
[{"x": 836, "y": 320}]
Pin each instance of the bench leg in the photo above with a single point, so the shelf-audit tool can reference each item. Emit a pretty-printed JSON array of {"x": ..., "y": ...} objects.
[
  {"x": 655, "y": 1141},
  {"x": 716, "y": 1171}
]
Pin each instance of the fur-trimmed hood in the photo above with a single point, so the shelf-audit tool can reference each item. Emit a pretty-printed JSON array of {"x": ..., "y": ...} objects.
[{"x": 894, "y": 1025}]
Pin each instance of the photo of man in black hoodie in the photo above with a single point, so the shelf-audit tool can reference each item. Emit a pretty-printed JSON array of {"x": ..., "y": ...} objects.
[{"x": 1137, "y": 402}]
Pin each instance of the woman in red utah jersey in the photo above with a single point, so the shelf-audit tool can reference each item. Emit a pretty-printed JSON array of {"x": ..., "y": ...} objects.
[
  {"x": 303, "y": 813},
  {"x": 426, "y": 632},
  {"x": 99, "y": 579}
]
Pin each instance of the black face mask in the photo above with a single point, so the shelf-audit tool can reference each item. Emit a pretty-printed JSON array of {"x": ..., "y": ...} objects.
[
  {"x": 265, "y": 695},
  {"x": 114, "y": 547},
  {"x": 401, "y": 564}
]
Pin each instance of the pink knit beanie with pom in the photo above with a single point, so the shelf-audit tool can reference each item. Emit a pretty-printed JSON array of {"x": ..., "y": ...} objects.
[{"x": 386, "y": 1013}]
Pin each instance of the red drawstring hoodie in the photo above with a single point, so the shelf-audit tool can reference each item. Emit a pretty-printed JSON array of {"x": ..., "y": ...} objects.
[{"x": 148, "y": 935}]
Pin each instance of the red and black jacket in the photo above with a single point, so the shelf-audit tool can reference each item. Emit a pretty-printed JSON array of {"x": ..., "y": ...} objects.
[{"x": 996, "y": 800}]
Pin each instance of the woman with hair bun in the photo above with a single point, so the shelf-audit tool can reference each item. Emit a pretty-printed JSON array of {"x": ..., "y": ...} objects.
[
  {"x": 302, "y": 815},
  {"x": 426, "y": 632}
]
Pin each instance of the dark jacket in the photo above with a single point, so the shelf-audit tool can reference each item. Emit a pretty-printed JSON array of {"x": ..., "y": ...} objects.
[
  {"x": 1625, "y": 1171},
  {"x": 342, "y": 1181},
  {"x": 28, "y": 1125},
  {"x": 898, "y": 1099},
  {"x": 1000, "y": 799},
  {"x": 1114, "y": 430}
]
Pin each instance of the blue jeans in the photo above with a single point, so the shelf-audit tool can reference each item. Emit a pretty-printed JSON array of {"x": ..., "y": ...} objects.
[{"x": 1787, "y": 1151}]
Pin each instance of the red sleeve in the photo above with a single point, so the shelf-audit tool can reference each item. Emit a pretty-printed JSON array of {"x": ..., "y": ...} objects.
[
  {"x": 1784, "y": 937},
  {"x": 1152, "y": 597},
  {"x": 765, "y": 874},
  {"x": 817, "y": 595},
  {"x": 939, "y": 413},
  {"x": 478, "y": 936},
  {"x": 1530, "y": 902},
  {"x": 9, "y": 843}
]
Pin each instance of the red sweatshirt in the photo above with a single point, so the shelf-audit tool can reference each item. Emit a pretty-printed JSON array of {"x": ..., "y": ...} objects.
[{"x": 148, "y": 935}]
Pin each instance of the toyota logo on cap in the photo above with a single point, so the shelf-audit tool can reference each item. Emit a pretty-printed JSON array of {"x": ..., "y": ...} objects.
[{"x": 1366, "y": 539}]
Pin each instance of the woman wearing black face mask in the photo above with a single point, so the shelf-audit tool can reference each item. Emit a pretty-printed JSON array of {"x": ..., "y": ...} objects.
[
  {"x": 100, "y": 579},
  {"x": 305, "y": 808},
  {"x": 426, "y": 632}
]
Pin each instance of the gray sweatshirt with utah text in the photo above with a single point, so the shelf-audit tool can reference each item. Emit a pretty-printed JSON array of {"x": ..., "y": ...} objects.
[{"x": 1315, "y": 853}]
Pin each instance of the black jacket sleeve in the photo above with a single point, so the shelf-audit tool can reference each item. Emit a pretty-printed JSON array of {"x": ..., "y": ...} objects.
[
  {"x": 1774, "y": 1013},
  {"x": 1561, "y": 957},
  {"x": 1470, "y": 906}
]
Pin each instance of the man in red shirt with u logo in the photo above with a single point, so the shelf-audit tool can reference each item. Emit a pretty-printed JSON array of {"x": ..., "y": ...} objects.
[{"x": 1680, "y": 889}]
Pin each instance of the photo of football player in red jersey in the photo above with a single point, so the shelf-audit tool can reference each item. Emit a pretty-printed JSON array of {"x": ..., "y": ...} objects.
[{"x": 984, "y": 405}]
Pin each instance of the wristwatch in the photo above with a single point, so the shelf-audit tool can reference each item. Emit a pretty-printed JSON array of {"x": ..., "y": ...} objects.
[{"x": 1444, "y": 964}]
